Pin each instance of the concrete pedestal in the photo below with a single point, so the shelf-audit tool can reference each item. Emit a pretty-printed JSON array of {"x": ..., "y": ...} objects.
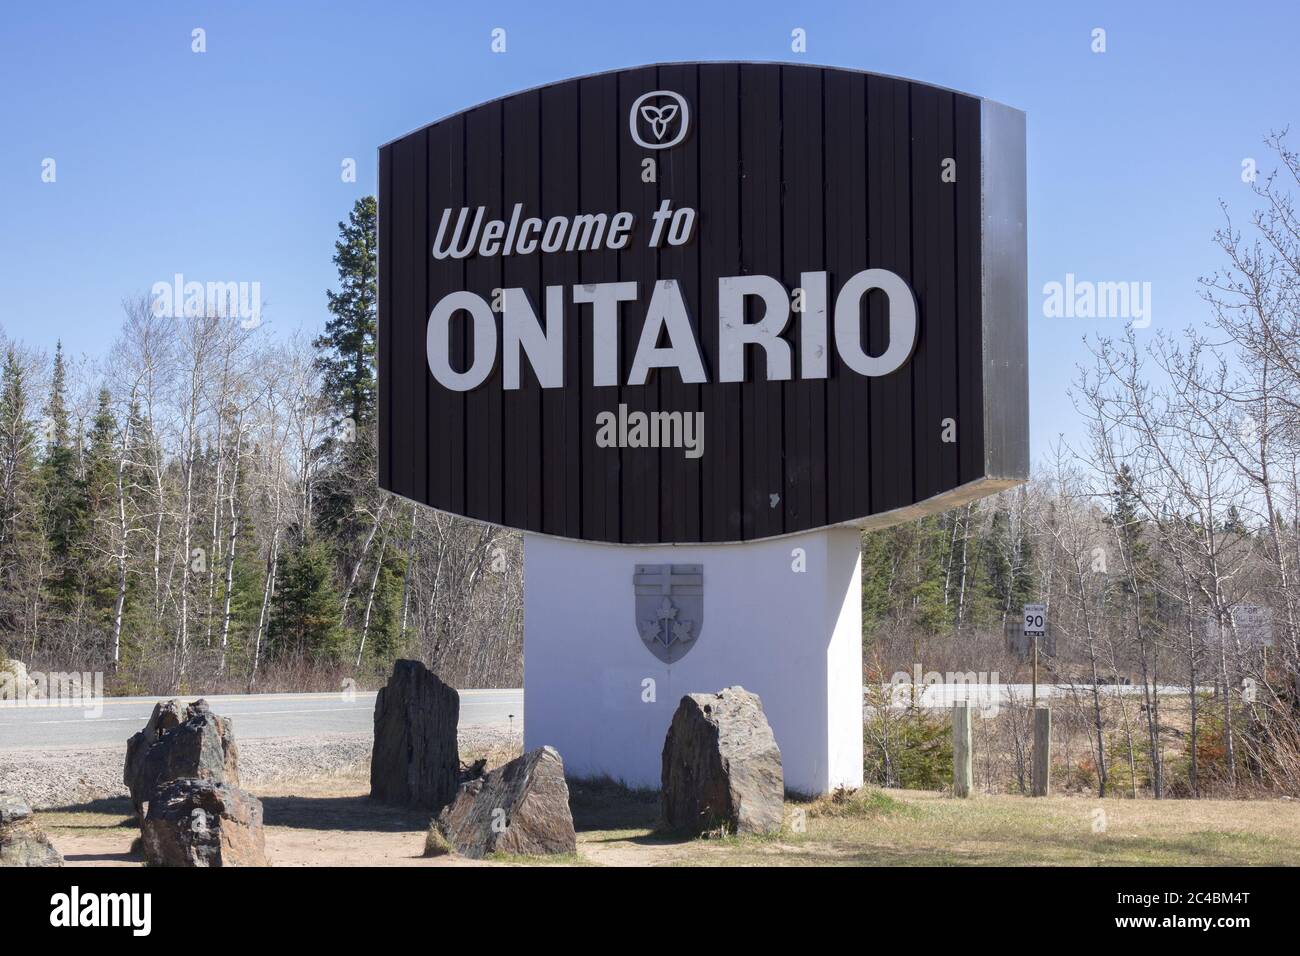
[{"x": 594, "y": 690}]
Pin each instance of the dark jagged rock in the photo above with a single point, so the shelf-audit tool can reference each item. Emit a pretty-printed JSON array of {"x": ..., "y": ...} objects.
[
  {"x": 22, "y": 843},
  {"x": 179, "y": 741},
  {"x": 199, "y": 823},
  {"x": 721, "y": 766},
  {"x": 521, "y": 808},
  {"x": 415, "y": 760}
]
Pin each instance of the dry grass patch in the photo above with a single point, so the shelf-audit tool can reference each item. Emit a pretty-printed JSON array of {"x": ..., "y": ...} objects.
[{"x": 331, "y": 821}]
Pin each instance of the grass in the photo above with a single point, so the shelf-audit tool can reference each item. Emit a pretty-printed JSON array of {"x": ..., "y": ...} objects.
[
  {"x": 435, "y": 844},
  {"x": 618, "y": 826},
  {"x": 872, "y": 827}
]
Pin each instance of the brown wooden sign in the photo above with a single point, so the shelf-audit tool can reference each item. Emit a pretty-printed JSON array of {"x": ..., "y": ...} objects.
[{"x": 704, "y": 302}]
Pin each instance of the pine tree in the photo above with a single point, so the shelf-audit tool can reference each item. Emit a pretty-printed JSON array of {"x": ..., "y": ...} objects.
[
  {"x": 348, "y": 497},
  {"x": 1128, "y": 529},
  {"x": 347, "y": 349},
  {"x": 305, "y": 612},
  {"x": 100, "y": 486},
  {"x": 1007, "y": 563},
  {"x": 65, "y": 492}
]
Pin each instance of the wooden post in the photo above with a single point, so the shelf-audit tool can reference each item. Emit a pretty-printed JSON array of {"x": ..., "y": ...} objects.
[
  {"x": 961, "y": 749},
  {"x": 1042, "y": 751},
  {"x": 1035, "y": 639}
]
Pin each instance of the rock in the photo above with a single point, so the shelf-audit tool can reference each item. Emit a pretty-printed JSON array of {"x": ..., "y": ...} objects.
[
  {"x": 178, "y": 742},
  {"x": 415, "y": 758},
  {"x": 14, "y": 682},
  {"x": 721, "y": 766},
  {"x": 13, "y": 809},
  {"x": 22, "y": 843},
  {"x": 196, "y": 823},
  {"x": 521, "y": 808}
]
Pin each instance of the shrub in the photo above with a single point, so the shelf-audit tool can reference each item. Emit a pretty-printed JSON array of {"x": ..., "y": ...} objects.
[{"x": 913, "y": 752}]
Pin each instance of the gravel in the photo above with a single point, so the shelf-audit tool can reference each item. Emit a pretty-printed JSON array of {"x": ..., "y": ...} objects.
[{"x": 57, "y": 779}]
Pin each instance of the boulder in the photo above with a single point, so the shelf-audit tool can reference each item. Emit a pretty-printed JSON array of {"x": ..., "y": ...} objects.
[
  {"x": 721, "y": 766},
  {"x": 179, "y": 741},
  {"x": 196, "y": 823},
  {"x": 415, "y": 758},
  {"x": 22, "y": 843},
  {"x": 14, "y": 682},
  {"x": 521, "y": 808}
]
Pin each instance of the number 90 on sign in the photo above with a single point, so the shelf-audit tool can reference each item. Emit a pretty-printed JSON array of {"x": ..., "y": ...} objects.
[{"x": 1035, "y": 620}]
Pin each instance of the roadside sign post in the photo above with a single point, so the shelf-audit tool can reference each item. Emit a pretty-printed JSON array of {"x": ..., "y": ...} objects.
[{"x": 1035, "y": 626}]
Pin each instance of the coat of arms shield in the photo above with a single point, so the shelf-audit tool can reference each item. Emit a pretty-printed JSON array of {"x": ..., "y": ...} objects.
[{"x": 669, "y": 607}]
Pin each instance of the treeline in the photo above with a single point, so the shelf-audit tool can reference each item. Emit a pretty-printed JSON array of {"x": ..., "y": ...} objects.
[
  {"x": 1166, "y": 544},
  {"x": 199, "y": 511}
]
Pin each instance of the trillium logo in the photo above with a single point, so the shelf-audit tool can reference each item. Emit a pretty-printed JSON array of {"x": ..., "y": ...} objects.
[{"x": 659, "y": 119}]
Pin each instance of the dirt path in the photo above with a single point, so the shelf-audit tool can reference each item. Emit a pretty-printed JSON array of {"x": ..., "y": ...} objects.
[{"x": 332, "y": 822}]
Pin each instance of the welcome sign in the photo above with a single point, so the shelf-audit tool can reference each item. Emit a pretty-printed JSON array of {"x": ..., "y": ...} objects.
[{"x": 704, "y": 303}]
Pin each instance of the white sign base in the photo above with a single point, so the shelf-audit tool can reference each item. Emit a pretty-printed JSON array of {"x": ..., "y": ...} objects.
[{"x": 595, "y": 692}]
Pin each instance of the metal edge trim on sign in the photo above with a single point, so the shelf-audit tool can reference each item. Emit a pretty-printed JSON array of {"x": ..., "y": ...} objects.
[{"x": 1004, "y": 288}]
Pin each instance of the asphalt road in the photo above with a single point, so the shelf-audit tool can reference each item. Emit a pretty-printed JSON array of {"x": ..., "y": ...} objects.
[{"x": 34, "y": 726}]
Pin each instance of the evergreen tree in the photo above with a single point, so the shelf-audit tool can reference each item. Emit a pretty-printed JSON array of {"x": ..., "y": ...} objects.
[
  {"x": 383, "y": 639},
  {"x": 65, "y": 498},
  {"x": 347, "y": 349},
  {"x": 348, "y": 493},
  {"x": 305, "y": 613},
  {"x": 1007, "y": 565},
  {"x": 878, "y": 575},
  {"x": 100, "y": 484},
  {"x": 934, "y": 594},
  {"x": 1128, "y": 529}
]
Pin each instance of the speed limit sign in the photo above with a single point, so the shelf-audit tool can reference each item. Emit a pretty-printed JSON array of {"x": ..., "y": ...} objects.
[{"x": 1035, "y": 620}]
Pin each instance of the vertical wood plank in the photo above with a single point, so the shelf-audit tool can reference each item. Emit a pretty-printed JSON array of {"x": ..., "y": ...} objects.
[
  {"x": 889, "y": 458},
  {"x": 446, "y": 410},
  {"x": 638, "y": 263},
  {"x": 600, "y": 145},
  {"x": 848, "y": 395},
  {"x": 562, "y": 418},
  {"x": 804, "y": 441},
  {"x": 762, "y": 405},
  {"x": 679, "y": 181},
  {"x": 934, "y": 365},
  {"x": 408, "y": 411},
  {"x": 523, "y": 480},
  {"x": 483, "y": 424},
  {"x": 719, "y": 237}
]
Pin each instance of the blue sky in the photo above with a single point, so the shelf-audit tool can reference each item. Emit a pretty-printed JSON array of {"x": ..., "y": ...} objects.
[{"x": 226, "y": 164}]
